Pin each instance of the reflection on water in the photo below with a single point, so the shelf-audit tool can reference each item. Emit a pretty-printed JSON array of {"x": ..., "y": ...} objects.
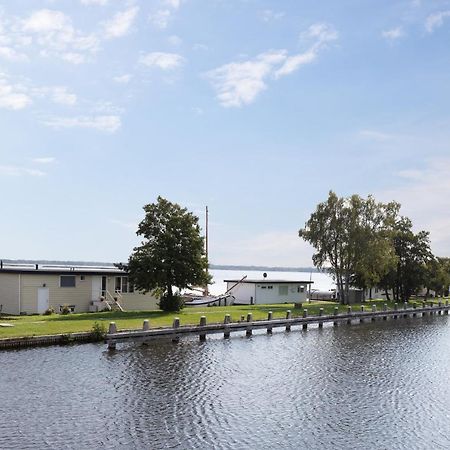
[{"x": 381, "y": 385}]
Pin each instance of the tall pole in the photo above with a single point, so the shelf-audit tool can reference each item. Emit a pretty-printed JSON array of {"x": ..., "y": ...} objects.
[{"x": 206, "y": 250}]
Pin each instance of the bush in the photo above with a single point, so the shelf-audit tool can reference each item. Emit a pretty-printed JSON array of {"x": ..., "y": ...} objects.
[
  {"x": 65, "y": 310},
  {"x": 49, "y": 311},
  {"x": 175, "y": 303},
  {"x": 98, "y": 331}
]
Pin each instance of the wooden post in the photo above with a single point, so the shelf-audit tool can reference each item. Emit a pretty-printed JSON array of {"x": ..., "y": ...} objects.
[
  {"x": 202, "y": 334},
  {"x": 242, "y": 318},
  {"x": 414, "y": 307},
  {"x": 431, "y": 306},
  {"x": 249, "y": 327},
  {"x": 362, "y": 310},
  {"x": 145, "y": 325},
  {"x": 336, "y": 310},
  {"x": 288, "y": 316},
  {"x": 175, "y": 325},
  {"x": 349, "y": 311},
  {"x": 305, "y": 315},
  {"x": 374, "y": 309},
  {"x": 269, "y": 327},
  {"x": 405, "y": 307},
  {"x": 320, "y": 314},
  {"x": 446, "y": 305},
  {"x": 112, "y": 330},
  {"x": 385, "y": 309},
  {"x": 395, "y": 309},
  {"x": 440, "y": 306},
  {"x": 226, "y": 321}
]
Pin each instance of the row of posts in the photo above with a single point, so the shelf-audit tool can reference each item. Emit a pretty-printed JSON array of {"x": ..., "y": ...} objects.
[{"x": 249, "y": 320}]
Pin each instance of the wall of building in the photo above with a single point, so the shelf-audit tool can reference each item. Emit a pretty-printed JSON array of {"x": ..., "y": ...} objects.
[
  {"x": 244, "y": 293},
  {"x": 9, "y": 293},
  {"x": 267, "y": 293}
]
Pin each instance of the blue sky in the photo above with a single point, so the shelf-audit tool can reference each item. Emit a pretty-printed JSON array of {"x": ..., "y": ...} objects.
[{"x": 254, "y": 108}]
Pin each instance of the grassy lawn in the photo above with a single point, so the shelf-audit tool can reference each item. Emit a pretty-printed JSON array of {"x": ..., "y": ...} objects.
[{"x": 36, "y": 325}]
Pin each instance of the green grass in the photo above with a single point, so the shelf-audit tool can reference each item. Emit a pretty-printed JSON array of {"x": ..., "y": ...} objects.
[{"x": 37, "y": 325}]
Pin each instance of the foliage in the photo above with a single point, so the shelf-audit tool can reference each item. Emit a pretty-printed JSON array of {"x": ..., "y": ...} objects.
[
  {"x": 65, "y": 310},
  {"x": 98, "y": 331},
  {"x": 171, "y": 253},
  {"x": 413, "y": 257},
  {"x": 174, "y": 303},
  {"x": 438, "y": 276},
  {"x": 351, "y": 236},
  {"x": 49, "y": 311}
]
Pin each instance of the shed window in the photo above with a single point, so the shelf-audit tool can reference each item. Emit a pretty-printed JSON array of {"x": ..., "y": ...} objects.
[
  {"x": 269, "y": 287},
  {"x": 67, "y": 281},
  {"x": 123, "y": 286},
  {"x": 301, "y": 289},
  {"x": 283, "y": 290}
]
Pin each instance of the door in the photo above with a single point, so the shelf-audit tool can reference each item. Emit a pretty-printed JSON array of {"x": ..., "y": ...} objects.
[
  {"x": 96, "y": 288},
  {"x": 43, "y": 300}
]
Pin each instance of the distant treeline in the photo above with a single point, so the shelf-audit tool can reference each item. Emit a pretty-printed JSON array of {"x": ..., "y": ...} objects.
[{"x": 265, "y": 268}]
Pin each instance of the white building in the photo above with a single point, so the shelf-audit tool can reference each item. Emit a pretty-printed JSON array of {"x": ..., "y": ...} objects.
[{"x": 264, "y": 291}]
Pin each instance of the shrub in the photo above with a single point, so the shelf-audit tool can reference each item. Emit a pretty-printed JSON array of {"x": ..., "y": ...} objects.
[
  {"x": 65, "y": 309},
  {"x": 174, "y": 303},
  {"x": 98, "y": 331},
  {"x": 49, "y": 311}
]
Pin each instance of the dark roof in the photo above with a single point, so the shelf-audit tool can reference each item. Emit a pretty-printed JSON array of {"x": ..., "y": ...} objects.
[
  {"x": 63, "y": 270},
  {"x": 268, "y": 281}
]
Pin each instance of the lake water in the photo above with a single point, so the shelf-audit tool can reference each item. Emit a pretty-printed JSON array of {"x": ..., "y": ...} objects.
[
  {"x": 321, "y": 281},
  {"x": 381, "y": 385}
]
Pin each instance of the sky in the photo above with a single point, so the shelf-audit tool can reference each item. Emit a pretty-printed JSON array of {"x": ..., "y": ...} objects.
[{"x": 255, "y": 108}]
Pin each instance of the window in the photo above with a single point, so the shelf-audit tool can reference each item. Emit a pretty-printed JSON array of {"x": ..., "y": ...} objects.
[
  {"x": 123, "y": 286},
  {"x": 301, "y": 289},
  {"x": 82, "y": 277},
  {"x": 269, "y": 287},
  {"x": 263, "y": 287},
  {"x": 283, "y": 290},
  {"x": 67, "y": 281}
]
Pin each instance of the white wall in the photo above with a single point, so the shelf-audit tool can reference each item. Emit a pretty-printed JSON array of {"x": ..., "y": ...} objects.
[
  {"x": 243, "y": 293},
  {"x": 267, "y": 293}
]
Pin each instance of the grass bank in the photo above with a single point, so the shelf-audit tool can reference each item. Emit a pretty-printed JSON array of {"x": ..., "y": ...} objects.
[{"x": 38, "y": 325}]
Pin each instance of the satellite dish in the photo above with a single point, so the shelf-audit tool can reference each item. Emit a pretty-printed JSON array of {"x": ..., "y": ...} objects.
[{"x": 264, "y": 275}]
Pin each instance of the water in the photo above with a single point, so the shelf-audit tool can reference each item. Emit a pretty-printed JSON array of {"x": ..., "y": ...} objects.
[
  {"x": 321, "y": 281},
  {"x": 381, "y": 385}
]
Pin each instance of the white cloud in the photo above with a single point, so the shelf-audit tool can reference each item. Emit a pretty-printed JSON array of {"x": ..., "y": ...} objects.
[
  {"x": 121, "y": 23},
  {"x": 44, "y": 160},
  {"x": 17, "y": 171},
  {"x": 107, "y": 123},
  {"x": 268, "y": 15},
  {"x": 94, "y": 2},
  {"x": 174, "y": 40},
  {"x": 123, "y": 79},
  {"x": 425, "y": 198},
  {"x": 239, "y": 83},
  {"x": 175, "y": 4},
  {"x": 62, "y": 96},
  {"x": 393, "y": 34},
  {"x": 73, "y": 58},
  {"x": 46, "y": 20},
  {"x": 164, "y": 61},
  {"x": 374, "y": 135},
  {"x": 13, "y": 97},
  {"x": 161, "y": 18},
  {"x": 436, "y": 20},
  {"x": 11, "y": 54}
]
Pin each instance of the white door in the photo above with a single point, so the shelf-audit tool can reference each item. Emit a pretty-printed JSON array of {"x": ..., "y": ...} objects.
[
  {"x": 96, "y": 288},
  {"x": 43, "y": 300}
]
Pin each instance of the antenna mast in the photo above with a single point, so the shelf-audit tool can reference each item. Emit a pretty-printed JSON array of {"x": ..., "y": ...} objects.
[{"x": 206, "y": 249}]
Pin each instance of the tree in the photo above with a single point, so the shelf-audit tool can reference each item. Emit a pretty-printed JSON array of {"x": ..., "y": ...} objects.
[
  {"x": 171, "y": 254},
  {"x": 437, "y": 276},
  {"x": 413, "y": 256},
  {"x": 350, "y": 236}
]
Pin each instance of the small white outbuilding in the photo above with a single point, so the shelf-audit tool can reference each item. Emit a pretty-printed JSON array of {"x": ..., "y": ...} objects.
[{"x": 264, "y": 291}]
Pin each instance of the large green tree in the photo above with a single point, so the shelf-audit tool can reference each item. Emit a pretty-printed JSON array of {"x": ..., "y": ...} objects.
[
  {"x": 350, "y": 236},
  {"x": 171, "y": 254}
]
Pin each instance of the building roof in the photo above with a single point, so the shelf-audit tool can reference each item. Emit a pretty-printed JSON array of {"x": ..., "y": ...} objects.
[
  {"x": 49, "y": 269},
  {"x": 269, "y": 281}
]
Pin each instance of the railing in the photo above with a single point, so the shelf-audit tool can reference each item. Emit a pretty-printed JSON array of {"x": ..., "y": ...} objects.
[{"x": 112, "y": 301}]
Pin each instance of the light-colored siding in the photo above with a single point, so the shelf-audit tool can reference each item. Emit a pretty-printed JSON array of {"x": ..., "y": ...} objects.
[
  {"x": 139, "y": 302},
  {"x": 243, "y": 293},
  {"x": 9, "y": 293},
  {"x": 80, "y": 296},
  {"x": 267, "y": 293}
]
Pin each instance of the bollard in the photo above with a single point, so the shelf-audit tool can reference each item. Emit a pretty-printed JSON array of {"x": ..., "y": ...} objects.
[
  {"x": 446, "y": 306},
  {"x": 362, "y": 318},
  {"x": 320, "y": 314},
  {"x": 336, "y": 310},
  {"x": 414, "y": 307},
  {"x": 202, "y": 334},
  {"x": 405, "y": 307},
  {"x": 385, "y": 309},
  {"x": 431, "y": 306},
  {"x": 112, "y": 330},
  {"x": 374, "y": 309},
  {"x": 288, "y": 316},
  {"x": 226, "y": 321},
  {"x": 249, "y": 327},
  {"x": 305, "y": 315},
  {"x": 269, "y": 327},
  {"x": 175, "y": 325},
  {"x": 349, "y": 311},
  {"x": 145, "y": 325},
  {"x": 440, "y": 308},
  {"x": 395, "y": 309}
]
